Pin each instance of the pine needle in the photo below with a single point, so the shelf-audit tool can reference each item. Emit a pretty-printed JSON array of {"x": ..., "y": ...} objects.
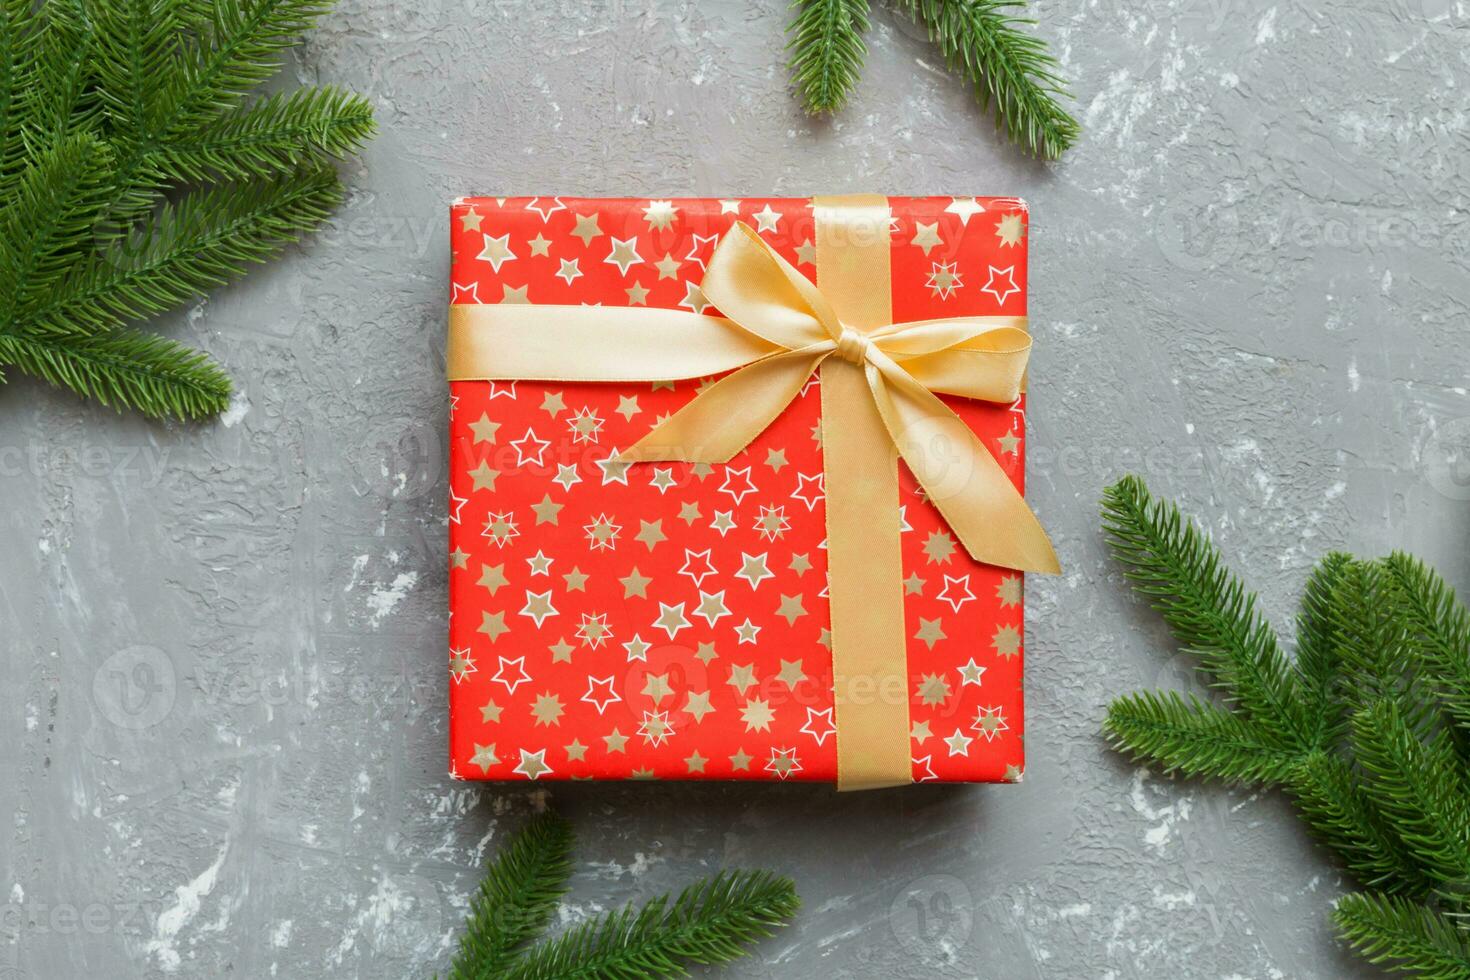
[
  {"x": 133, "y": 178},
  {"x": 709, "y": 922},
  {"x": 517, "y": 898},
  {"x": 1404, "y": 936},
  {"x": 1366, "y": 730},
  {"x": 1010, "y": 68},
  {"x": 826, "y": 41}
]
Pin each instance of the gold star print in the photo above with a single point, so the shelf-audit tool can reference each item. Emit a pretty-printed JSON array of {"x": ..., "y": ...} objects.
[
  {"x": 624, "y": 254},
  {"x": 824, "y": 637},
  {"x": 616, "y": 741},
  {"x": 944, "y": 279},
  {"x": 492, "y": 625},
  {"x": 585, "y": 425},
  {"x": 533, "y": 764},
  {"x": 933, "y": 690},
  {"x": 538, "y": 606},
  {"x": 496, "y": 251},
  {"x": 561, "y": 651},
  {"x": 484, "y": 429},
  {"x": 643, "y": 775},
  {"x": 671, "y": 618},
  {"x": 576, "y": 751},
  {"x": 740, "y": 762},
  {"x": 971, "y": 673},
  {"x": 964, "y": 208},
  {"x": 927, "y": 237},
  {"x": 484, "y": 757},
  {"x": 806, "y": 252},
  {"x": 729, "y": 207},
  {"x": 656, "y": 728},
  {"x": 790, "y": 609},
  {"x": 791, "y": 673},
  {"x": 800, "y": 564},
  {"x": 958, "y": 743},
  {"x": 553, "y": 404},
  {"x": 775, "y": 459},
  {"x": 920, "y": 732},
  {"x": 757, "y": 715},
  {"x": 742, "y": 677},
  {"x": 712, "y": 606},
  {"x": 660, "y": 214},
  {"x": 594, "y": 630},
  {"x": 651, "y": 532},
  {"x": 657, "y": 687},
  {"x": 1009, "y": 591},
  {"x": 1009, "y": 443},
  {"x": 460, "y": 665},
  {"x": 913, "y": 585},
  {"x": 484, "y": 476},
  {"x": 698, "y": 705},
  {"x": 576, "y": 580},
  {"x": 540, "y": 245},
  {"x": 635, "y": 584},
  {"x": 705, "y": 653},
  {"x": 547, "y": 710},
  {"x": 459, "y": 558},
  {"x": 637, "y": 294},
  {"x": 689, "y": 512},
  {"x": 493, "y": 577},
  {"x": 547, "y": 510},
  {"x": 765, "y": 219},
  {"x": 695, "y": 762},
  {"x": 1007, "y": 641},
  {"x": 470, "y": 220},
  {"x": 1013, "y": 774},
  {"x": 990, "y": 723},
  {"x": 668, "y": 266},
  {"x": 586, "y": 228},
  {"x": 1010, "y": 230},
  {"x": 627, "y": 406},
  {"x": 513, "y": 294},
  {"x": 930, "y": 631},
  {"x": 602, "y": 532},
  {"x": 695, "y": 301},
  {"x": 938, "y": 547},
  {"x": 569, "y": 271},
  {"x": 490, "y": 713}
]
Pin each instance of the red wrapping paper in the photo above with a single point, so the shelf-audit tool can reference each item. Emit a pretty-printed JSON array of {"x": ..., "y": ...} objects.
[{"x": 670, "y": 620}]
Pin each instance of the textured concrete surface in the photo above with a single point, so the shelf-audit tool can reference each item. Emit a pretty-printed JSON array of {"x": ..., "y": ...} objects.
[{"x": 224, "y": 706}]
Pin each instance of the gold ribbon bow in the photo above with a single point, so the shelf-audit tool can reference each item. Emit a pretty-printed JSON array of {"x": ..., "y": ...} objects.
[{"x": 878, "y": 384}]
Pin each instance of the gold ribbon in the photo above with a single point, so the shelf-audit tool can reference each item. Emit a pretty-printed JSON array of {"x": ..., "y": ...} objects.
[{"x": 878, "y": 384}]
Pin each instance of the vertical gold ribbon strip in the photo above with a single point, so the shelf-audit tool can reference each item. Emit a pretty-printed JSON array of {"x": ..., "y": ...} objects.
[{"x": 865, "y": 566}]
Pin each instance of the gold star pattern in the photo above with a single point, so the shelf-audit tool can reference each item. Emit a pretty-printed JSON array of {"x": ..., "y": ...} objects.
[
  {"x": 547, "y": 710},
  {"x": 920, "y": 732},
  {"x": 913, "y": 585},
  {"x": 930, "y": 631},
  {"x": 1010, "y": 229},
  {"x": 801, "y": 564},
  {"x": 689, "y": 512},
  {"x": 470, "y": 220},
  {"x": 635, "y": 584},
  {"x": 668, "y": 266},
  {"x": 740, "y": 762},
  {"x": 576, "y": 751},
  {"x": 533, "y": 764},
  {"x": 576, "y": 580},
  {"x": 484, "y": 429},
  {"x": 624, "y": 254},
  {"x": 944, "y": 279},
  {"x": 547, "y": 510},
  {"x": 490, "y": 713},
  {"x": 586, "y": 228},
  {"x": 514, "y": 294},
  {"x": 698, "y": 705},
  {"x": 616, "y": 741},
  {"x": 540, "y": 245},
  {"x": 627, "y": 406},
  {"x": 790, "y": 609},
  {"x": 757, "y": 715},
  {"x": 1009, "y": 443},
  {"x": 938, "y": 547},
  {"x": 485, "y": 757},
  {"x": 637, "y": 294},
  {"x": 459, "y": 558},
  {"x": 1007, "y": 641},
  {"x": 657, "y": 686},
  {"x": 742, "y": 676},
  {"x": 492, "y": 577},
  {"x": 561, "y": 651},
  {"x": 705, "y": 653},
  {"x": 651, "y": 532},
  {"x": 492, "y": 625},
  {"x": 483, "y": 476},
  {"x": 552, "y": 404},
  {"x": 1009, "y": 591},
  {"x": 933, "y": 690},
  {"x": 791, "y": 673},
  {"x": 927, "y": 237},
  {"x": 496, "y": 251},
  {"x": 775, "y": 459},
  {"x": 660, "y": 214},
  {"x": 806, "y": 253},
  {"x": 695, "y": 762}
]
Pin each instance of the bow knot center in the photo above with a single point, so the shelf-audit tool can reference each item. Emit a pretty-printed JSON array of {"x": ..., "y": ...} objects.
[{"x": 853, "y": 346}]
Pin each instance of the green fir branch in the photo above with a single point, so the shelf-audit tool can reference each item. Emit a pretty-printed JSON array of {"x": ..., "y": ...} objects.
[
  {"x": 1009, "y": 68},
  {"x": 1404, "y": 936},
  {"x": 1196, "y": 739},
  {"x": 711, "y": 921},
  {"x": 1439, "y": 629},
  {"x": 516, "y": 900},
  {"x": 1318, "y": 659},
  {"x": 1212, "y": 615},
  {"x": 826, "y": 42}
]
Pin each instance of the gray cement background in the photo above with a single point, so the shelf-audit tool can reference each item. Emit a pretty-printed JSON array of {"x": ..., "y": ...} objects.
[{"x": 222, "y": 645}]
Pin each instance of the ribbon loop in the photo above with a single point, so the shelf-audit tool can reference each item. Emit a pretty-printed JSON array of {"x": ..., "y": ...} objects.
[{"x": 852, "y": 346}]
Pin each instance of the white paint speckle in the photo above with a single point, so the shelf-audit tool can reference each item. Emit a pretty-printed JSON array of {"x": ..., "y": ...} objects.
[
  {"x": 1266, "y": 27},
  {"x": 383, "y": 601},
  {"x": 187, "y": 899},
  {"x": 239, "y": 408}
]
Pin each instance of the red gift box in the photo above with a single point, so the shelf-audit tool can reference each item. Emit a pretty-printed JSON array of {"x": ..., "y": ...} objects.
[{"x": 613, "y": 620}]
